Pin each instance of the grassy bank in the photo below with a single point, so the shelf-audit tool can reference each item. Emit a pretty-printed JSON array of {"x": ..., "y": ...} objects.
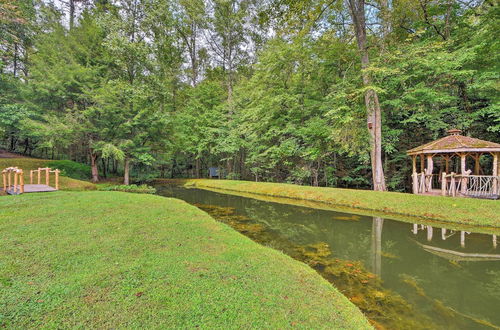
[
  {"x": 114, "y": 260},
  {"x": 409, "y": 207},
  {"x": 28, "y": 164}
]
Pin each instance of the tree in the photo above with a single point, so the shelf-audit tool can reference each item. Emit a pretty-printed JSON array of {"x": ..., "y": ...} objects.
[{"x": 374, "y": 113}]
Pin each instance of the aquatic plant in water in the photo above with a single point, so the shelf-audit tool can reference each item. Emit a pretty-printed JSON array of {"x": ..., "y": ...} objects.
[{"x": 384, "y": 308}]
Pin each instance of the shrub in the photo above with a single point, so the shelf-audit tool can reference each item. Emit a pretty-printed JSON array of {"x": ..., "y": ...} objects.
[
  {"x": 142, "y": 189},
  {"x": 71, "y": 169}
]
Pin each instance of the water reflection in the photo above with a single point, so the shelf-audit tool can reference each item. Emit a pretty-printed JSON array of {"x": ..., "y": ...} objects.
[
  {"x": 377, "y": 225},
  {"x": 477, "y": 252},
  {"x": 450, "y": 289}
]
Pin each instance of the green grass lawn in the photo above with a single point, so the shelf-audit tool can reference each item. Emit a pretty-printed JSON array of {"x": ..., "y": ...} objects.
[
  {"x": 28, "y": 164},
  {"x": 114, "y": 260},
  {"x": 468, "y": 211}
]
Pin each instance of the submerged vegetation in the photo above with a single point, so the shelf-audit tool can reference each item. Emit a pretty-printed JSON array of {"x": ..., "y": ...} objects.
[
  {"x": 114, "y": 260},
  {"x": 384, "y": 308}
]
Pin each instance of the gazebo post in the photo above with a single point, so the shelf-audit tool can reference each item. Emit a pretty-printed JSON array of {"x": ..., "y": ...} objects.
[
  {"x": 414, "y": 174},
  {"x": 476, "y": 164},
  {"x": 463, "y": 170},
  {"x": 430, "y": 168},
  {"x": 421, "y": 163},
  {"x": 496, "y": 173}
]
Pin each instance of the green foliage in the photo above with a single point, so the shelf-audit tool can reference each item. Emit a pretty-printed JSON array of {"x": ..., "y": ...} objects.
[
  {"x": 133, "y": 188},
  {"x": 266, "y": 90},
  {"x": 71, "y": 169}
]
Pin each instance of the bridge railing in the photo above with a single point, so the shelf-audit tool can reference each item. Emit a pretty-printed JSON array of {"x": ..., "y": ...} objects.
[
  {"x": 47, "y": 171},
  {"x": 13, "y": 180}
]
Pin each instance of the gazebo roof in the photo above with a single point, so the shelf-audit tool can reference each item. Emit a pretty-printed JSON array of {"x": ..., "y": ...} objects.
[{"x": 455, "y": 143}]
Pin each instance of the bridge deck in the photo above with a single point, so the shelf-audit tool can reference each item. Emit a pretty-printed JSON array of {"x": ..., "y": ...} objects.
[{"x": 32, "y": 188}]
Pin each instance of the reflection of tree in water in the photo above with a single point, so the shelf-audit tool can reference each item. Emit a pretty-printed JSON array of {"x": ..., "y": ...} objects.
[
  {"x": 493, "y": 285},
  {"x": 317, "y": 238},
  {"x": 377, "y": 245},
  {"x": 383, "y": 307}
]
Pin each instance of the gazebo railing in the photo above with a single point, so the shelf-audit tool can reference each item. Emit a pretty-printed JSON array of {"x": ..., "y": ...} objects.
[{"x": 480, "y": 186}]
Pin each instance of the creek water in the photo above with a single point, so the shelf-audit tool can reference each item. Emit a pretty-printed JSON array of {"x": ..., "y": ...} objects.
[{"x": 401, "y": 275}]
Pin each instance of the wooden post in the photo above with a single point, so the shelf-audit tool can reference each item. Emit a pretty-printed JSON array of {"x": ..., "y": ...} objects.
[
  {"x": 443, "y": 184},
  {"x": 430, "y": 168},
  {"x": 464, "y": 172},
  {"x": 9, "y": 182},
  {"x": 495, "y": 173},
  {"x": 39, "y": 179},
  {"x": 21, "y": 183},
  {"x": 414, "y": 164},
  {"x": 47, "y": 176},
  {"x": 447, "y": 164},
  {"x": 453, "y": 185},
  {"x": 4, "y": 179},
  {"x": 421, "y": 163},
  {"x": 476, "y": 164},
  {"x": 15, "y": 182},
  {"x": 31, "y": 176},
  {"x": 57, "y": 179},
  {"x": 415, "y": 182}
]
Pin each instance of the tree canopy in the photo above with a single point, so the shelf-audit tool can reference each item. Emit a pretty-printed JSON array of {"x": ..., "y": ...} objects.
[{"x": 317, "y": 92}]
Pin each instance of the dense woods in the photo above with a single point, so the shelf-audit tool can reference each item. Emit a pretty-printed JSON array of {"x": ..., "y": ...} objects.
[{"x": 328, "y": 93}]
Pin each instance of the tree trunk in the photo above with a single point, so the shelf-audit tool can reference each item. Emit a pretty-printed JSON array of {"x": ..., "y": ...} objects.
[
  {"x": 374, "y": 120},
  {"x": 126, "y": 172},
  {"x": 93, "y": 165},
  {"x": 71, "y": 13},
  {"x": 198, "y": 174},
  {"x": 104, "y": 167}
]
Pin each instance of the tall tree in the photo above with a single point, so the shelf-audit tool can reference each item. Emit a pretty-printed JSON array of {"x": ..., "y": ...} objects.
[{"x": 374, "y": 113}]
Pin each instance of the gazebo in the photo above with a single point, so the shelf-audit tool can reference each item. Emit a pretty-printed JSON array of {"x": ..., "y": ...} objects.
[{"x": 452, "y": 176}]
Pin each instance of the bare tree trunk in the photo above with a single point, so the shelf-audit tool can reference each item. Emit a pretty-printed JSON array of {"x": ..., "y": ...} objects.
[
  {"x": 374, "y": 115},
  {"x": 126, "y": 172},
  {"x": 93, "y": 165},
  {"x": 71, "y": 13},
  {"x": 15, "y": 59},
  {"x": 198, "y": 174}
]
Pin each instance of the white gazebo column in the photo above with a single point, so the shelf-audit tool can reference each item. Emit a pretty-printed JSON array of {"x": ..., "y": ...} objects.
[
  {"x": 430, "y": 168},
  {"x": 414, "y": 175},
  {"x": 496, "y": 173},
  {"x": 463, "y": 170}
]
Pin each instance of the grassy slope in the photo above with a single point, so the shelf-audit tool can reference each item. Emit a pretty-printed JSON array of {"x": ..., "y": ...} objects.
[
  {"x": 110, "y": 259},
  {"x": 28, "y": 164},
  {"x": 446, "y": 209}
]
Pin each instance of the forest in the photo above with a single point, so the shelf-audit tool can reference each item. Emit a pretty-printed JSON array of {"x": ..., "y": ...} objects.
[{"x": 312, "y": 92}]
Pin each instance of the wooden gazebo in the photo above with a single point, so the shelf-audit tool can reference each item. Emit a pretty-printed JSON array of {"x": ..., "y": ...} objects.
[{"x": 452, "y": 177}]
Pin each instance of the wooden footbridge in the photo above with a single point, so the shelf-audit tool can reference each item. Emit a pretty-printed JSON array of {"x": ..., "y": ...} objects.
[{"x": 13, "y": 180}]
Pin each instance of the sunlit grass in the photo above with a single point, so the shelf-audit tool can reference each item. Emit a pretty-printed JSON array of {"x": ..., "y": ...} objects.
[
  {"x": 116, "y": 260},
  {"x": 466, "y": 211}
]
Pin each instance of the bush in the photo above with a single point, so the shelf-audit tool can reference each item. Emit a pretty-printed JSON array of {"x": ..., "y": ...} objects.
[
  {"x": 71, "y": 169},
  {"x": 142, "y": 189}
]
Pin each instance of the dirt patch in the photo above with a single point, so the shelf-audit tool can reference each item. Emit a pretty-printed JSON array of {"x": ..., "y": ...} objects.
[{"x": 5, "y": 154}]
